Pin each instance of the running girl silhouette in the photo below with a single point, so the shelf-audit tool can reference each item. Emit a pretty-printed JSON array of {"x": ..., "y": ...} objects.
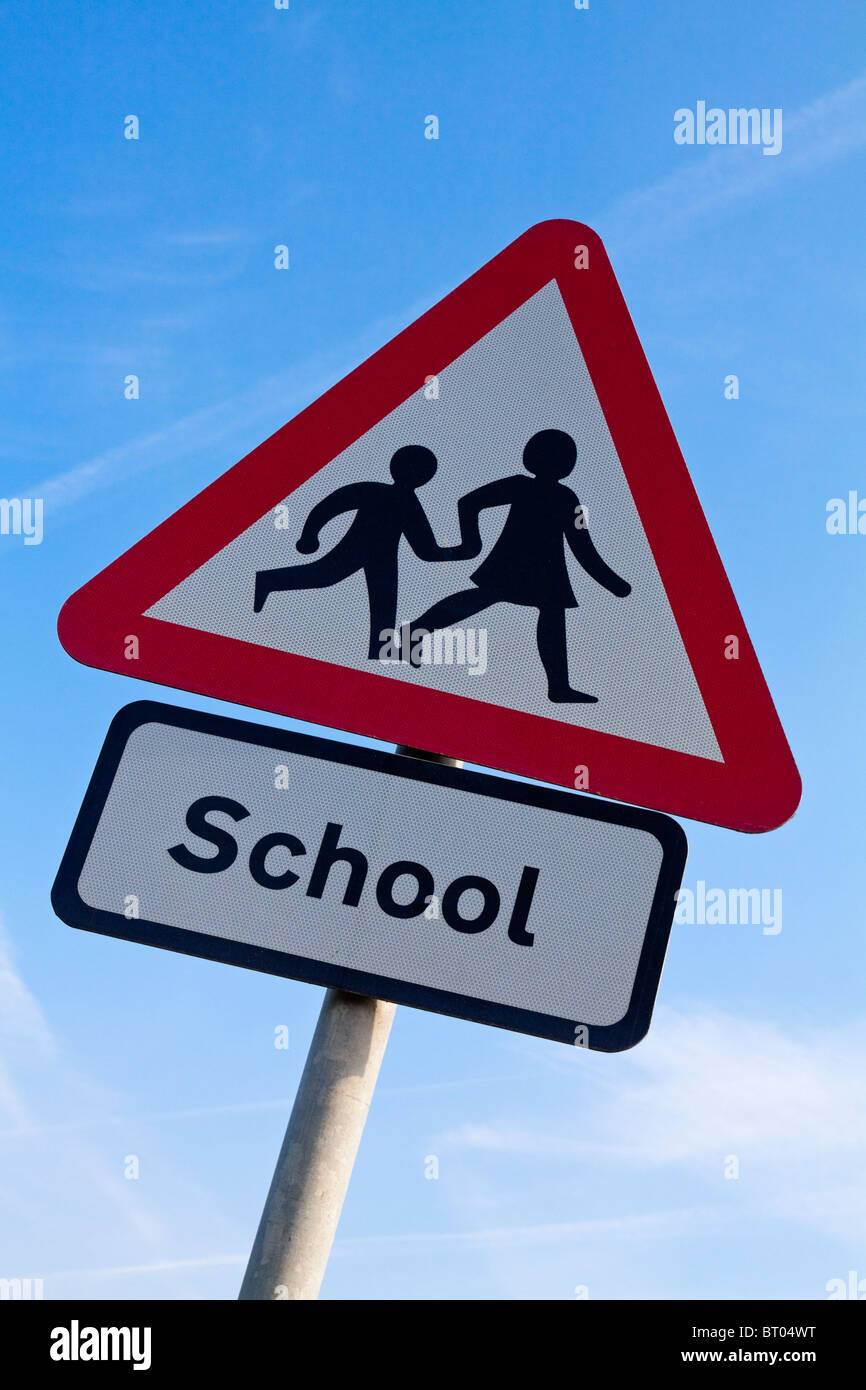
[
  {"x": 527, "y": 563},
  {"x": 384, "y": 514}
]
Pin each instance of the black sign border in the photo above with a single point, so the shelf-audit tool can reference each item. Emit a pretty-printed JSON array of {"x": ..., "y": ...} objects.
[{"x": 615, "y": 1037}]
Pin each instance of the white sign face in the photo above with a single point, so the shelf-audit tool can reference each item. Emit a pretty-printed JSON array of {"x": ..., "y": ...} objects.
[
  {"x": 532, "y": 909},
  {"x": 524, "y": 374}
]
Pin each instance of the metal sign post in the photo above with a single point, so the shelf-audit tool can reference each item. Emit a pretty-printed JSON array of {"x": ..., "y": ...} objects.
[
  {"x": 311, "y": 1178},
  {"x": 315, "y": 1163}
]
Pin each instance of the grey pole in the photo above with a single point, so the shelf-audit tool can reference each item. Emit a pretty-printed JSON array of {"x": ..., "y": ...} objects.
[{"x": 302, "y": 1208}]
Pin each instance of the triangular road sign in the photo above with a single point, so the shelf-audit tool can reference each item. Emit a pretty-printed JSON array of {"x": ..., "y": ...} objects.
[{"x": 585, "y": 566}]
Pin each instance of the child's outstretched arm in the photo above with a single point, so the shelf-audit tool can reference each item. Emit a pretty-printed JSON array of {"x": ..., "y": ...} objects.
[
  {"x": 588, "y": 557},
  {"x": 343, "y": 499},
  {"x": 470, "y": 507}
]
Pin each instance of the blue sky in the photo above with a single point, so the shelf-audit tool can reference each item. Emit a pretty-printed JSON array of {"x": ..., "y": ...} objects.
[{"x": 558, "y": 1168}]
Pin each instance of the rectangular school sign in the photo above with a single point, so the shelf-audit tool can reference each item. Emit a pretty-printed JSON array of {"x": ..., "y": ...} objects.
[{"x": 524, "y": 907}]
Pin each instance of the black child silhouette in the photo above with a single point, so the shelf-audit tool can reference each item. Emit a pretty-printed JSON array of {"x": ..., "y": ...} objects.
[
  {"x": 527, "y": 562},
  {"x": 384, "y": 514}
]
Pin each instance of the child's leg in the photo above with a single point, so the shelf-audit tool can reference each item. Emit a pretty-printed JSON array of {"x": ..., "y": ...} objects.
[
  {"x": 330, "y": 569},
  {"x": 382, "y": 593},
  {"x": 553, "y": 650},
  {"x": 448, "y": 611}
]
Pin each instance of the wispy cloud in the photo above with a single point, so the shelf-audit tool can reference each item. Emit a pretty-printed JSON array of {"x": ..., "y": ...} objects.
[
  {"x": 26, "y": 1130},
  {"x": 22, "y": 1026},
  {"x": 152, "y": 1267},
  {"x": 828, "y": 129},
  {"x": 273, "y": 399},
  {"x": 248, "y": 417},
  {"x": 643, "y": 1226},
  {"x": 37, "y": 1075},
  {"x": 656, "y": 1224},
  {"x": 705, "y": 1082},
  {"x": 194, "y": 1112},
  {"x": 705, "y": 1085},
  {"x": 20, "y": 1015},
  {"x": 202, "y": 237},
  {"x": 28, "y": 1044}
]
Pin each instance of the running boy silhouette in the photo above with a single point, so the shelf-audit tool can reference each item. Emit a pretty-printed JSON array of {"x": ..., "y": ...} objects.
[
  {"x": 527, "y": 562},
  {"x": 384, "y": 514}
]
